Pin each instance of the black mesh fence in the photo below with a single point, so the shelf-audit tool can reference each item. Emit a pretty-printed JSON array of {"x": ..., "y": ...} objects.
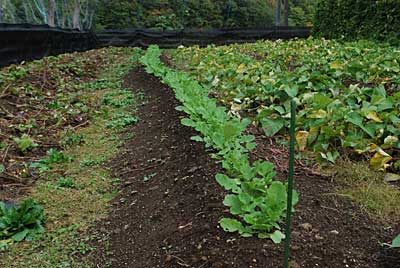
[
  {"x": 19, "y": 42},
  {"x": 172, "y": 38}
]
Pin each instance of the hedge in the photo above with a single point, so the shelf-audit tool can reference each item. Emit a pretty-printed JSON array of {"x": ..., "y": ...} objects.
[{"x": 359, "y": 19}]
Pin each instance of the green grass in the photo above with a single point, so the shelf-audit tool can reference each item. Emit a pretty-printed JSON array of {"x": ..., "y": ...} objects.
[{"x": 87, "y": 186}]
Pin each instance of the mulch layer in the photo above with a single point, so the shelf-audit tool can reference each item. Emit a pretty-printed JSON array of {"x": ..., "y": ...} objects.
[{"x": 168, "y": 210}]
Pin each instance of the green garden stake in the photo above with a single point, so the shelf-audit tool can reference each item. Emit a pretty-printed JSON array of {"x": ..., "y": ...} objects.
[{"x": 290, "y": 180}]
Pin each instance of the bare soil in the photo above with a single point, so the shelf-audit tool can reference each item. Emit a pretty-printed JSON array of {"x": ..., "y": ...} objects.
[{"x": 168, "y": 210}]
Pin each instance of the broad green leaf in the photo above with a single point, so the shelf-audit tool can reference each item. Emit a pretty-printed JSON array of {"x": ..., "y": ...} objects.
[
  {"x": 18, "y": 237},
  {"x": 272, "y": 126},
  {"x": 188, "y": 122},
  {"x": 227, "y": 183},
  {"x": 264, "y": 168},
  {"x": 229, "y": 131},
  {"x": 322, "y": 100},
  {"x": 245, "y": 198},
  {"x": 234, "y": 203},
  {"x": 277, "y": 237},
  {"x": 357, "y": 120},
  {"x": 2, "y": 168},
  {"x": 396, "y": 242},
  {"x": 291, "y": 91},
  {"x": 231, "y": 225}
]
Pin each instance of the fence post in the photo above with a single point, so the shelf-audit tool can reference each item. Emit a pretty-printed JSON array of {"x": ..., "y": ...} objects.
[{"x": 290, "y": 181}]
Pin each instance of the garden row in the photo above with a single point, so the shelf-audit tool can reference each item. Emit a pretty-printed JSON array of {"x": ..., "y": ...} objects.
[
  {"x": 256, "y": 199},
  {"x": 347, "y": 94}
]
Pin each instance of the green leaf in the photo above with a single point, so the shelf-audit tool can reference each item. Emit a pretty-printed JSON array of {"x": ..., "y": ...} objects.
[
  {"x": 188, "y": 122},
  {"x": 18, "y": 237},
  {"x": 232, "y": 225},
  {"x": 264, "y": 168},
  {"x": 245, "y": 198},
  {"x": 272, "y": 126},
  {"x": 357, "y": 120},
  {"x": 229, "y": 131},
  {"x": 322, "y": 100},
  {"x": 234, "y": 203},
  {"x": 277, "y": 237},
  {"x": 227, "y": 183},
  {"x": 396, "y": 242},
  {"x": 330, "y": 156},
  {"x": 197, "y": 138},
  {"x": 291, "y": 90},
  {"x": 2, "y": 168}
]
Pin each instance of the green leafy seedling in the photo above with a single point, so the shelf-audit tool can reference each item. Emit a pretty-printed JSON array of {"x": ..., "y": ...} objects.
[
  {"x": 148, "y": 177},
  {"x": 25, "y": 143},
  {"x": 395, "y": 243},
  {"x": 53, "y": 157},
  {"x": 72, "y": 139},
  {"x": 66, "y": 183},
  {"x": 23, "y": 221}
]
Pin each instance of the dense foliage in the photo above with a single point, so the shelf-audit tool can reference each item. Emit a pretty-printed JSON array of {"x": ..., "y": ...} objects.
[
  {"x": 354, "y": 19},
  {"x": 256, "y": 198},
  {"x": 177, "y": 14},
  {"x": 348, "y": 94}
]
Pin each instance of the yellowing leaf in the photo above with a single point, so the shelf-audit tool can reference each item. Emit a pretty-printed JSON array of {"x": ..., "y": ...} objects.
[
  {"x": 336, "y": 65},
  {"x": 373, "y": 147},
  {"x": 318, "y": 114},
  {"x": 373, "y": 116},
  {"x": 241, "y": 69},
  {"x": 313, "y": 134},
  {"x": 301, "y": 139},
  {"x": 380, "y": 159}
]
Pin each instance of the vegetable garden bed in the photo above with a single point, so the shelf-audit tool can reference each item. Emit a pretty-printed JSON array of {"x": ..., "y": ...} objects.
[
  {"x": 168, "y": 211},
  {"x": 172, "y": 209}
]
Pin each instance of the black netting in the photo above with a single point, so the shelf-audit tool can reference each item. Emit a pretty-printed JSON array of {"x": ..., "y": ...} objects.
[{"x": 168, "y": 23}]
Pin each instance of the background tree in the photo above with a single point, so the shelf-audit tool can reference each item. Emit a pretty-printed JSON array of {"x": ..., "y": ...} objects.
[
  {"x": 286, "y": 13},
  {"x": 77, "y": 14},
  {"x": 1, "y": 11},
  {"x": 52, "y": 12},
  {"x": 278, "y": 12}
]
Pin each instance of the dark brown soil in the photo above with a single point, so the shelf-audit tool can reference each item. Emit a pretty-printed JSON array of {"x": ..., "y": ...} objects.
[{"x": 168, "y": 210}]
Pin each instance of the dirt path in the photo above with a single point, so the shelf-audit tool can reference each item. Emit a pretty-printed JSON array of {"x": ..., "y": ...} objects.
[{"x": 168, "y": 210}]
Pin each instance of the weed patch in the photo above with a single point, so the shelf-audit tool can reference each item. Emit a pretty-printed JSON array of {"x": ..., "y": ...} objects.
[{"x": 78, "y": 197}]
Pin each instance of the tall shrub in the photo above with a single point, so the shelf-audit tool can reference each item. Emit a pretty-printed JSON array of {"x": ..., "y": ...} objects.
[{"x": 359, "y": 19}]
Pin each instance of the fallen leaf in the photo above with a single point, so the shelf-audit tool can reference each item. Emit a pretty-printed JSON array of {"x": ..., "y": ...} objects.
[{"x": 391, "y": 177}]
